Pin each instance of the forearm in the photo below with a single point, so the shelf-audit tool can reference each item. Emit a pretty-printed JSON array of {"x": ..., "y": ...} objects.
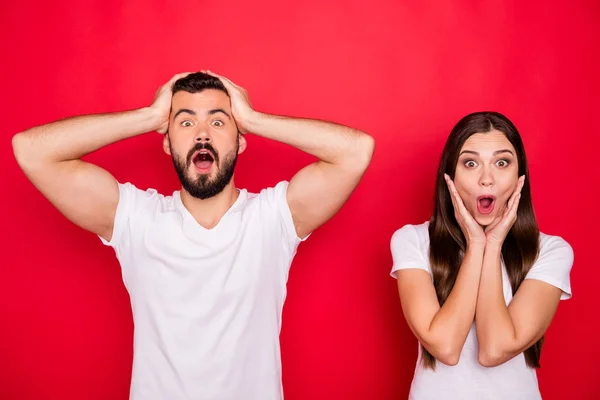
[
  {"x": 331, "y": 143},
  {"x": 495, "y": 330},
  {"x": 452, "y": 323},
  {"x": 73, "y": 138}
]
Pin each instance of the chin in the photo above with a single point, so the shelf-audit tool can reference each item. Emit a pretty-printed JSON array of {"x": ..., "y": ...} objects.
[
  {"x": 485, "y": 220},
  {"x": 195, "y": 174}
]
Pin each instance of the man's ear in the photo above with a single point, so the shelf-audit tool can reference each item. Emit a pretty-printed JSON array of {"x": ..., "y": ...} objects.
[
  {"x": 243, "y": 143},
  {"x": 167, "y": 144}
]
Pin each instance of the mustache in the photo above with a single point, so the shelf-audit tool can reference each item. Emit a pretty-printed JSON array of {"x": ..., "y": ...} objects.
[{"x": 202, "y": 146}]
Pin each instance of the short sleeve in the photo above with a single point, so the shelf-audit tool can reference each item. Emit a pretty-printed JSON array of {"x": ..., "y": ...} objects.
[
  {"x": 553, "y": 265},
  {"x": 409, "y": 247},
  {"x": 277, "y": 199},
  {"x": 131, "y": 201}
]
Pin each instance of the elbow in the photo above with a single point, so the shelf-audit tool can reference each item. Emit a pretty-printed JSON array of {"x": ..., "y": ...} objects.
[
  {"x": 27, "y": 153},
  {"x": 447, "y": 353},
  {"x": 19, "y": 145},
  {"x": 364, "y": 150},
  {"x": 368, "y": 147},
  {"x": 490, "y": 357},
  {"x": 448, "y": 356}
]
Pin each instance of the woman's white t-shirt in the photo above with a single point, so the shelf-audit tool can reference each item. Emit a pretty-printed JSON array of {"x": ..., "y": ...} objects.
[{"x": 468, "y": 379}]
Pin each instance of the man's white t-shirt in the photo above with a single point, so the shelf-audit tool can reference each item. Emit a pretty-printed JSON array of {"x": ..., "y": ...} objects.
[
  {"x": 512, "y": 380},
  {"x": 206, "y": 303}
]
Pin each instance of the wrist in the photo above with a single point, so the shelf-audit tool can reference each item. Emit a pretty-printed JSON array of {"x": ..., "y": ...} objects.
[
  {"x": 153, "y": 117},
  {"x": 251, "y": 121},
  {"x": 493, "y": 246},
  {"x": 476, "y": 246}
]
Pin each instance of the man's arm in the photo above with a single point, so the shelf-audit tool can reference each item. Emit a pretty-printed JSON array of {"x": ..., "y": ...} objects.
[
  {"x": 50, "y": 156},
  {"x": 320, "y": 189}
]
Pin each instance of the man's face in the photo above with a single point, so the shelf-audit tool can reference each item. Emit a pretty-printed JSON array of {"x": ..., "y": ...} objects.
[{"x": 203, "y": 141}]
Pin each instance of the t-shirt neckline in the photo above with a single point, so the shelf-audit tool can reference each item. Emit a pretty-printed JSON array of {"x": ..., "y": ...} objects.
[{"x": 190, "y": 222}]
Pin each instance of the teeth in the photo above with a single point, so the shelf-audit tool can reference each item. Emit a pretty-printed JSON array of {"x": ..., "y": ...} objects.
[{"x": 204, "y": 156}]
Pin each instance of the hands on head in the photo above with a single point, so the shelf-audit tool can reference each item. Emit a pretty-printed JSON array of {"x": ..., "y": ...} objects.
[{"x": 240, "y": 102}]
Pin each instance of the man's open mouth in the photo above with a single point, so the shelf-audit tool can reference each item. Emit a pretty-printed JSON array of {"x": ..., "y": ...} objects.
[{"x": 203, "y": 159}]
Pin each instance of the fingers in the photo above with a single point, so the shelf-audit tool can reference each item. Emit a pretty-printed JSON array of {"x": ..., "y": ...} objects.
[
  {"x": 516, "y": 193},
  {"x": 177, "y": 77},
  {"x": 512, "y": 211},
  {"x": 222, "y": 78},
  {"x": 494, "y": 223},
  {"x": 448, "y": 185},
  {"x": 509, "y": 215},
  {"x": 459, "y": 206},
  {"x": 229, "y": 85}
]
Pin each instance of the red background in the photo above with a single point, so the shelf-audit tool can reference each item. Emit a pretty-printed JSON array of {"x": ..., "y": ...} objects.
[{"x": 405, "y": 73}]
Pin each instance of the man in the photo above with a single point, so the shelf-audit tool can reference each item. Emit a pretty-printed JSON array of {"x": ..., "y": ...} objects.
[{"x": 206, "y": 267}]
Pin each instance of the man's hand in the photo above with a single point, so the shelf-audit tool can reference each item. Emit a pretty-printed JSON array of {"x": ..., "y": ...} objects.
[
  {"x": 319, "y": 190},
  {"x": 161, "y": 105},
  {"x": 240, "y": 102}
]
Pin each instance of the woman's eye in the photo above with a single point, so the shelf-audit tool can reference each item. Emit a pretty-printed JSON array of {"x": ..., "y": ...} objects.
[
  {"x": 502, "y": 163},
  {"x": 470, "y": 164}
]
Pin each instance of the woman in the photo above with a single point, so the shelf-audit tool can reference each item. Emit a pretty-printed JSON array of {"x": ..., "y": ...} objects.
[{"x": 478, "y": 283}]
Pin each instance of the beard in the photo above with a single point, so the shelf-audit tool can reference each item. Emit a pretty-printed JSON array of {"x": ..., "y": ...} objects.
[{"x": 203, "y": 187}]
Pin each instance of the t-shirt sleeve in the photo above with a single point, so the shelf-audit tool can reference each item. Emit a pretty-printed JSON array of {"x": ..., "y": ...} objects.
[
  {"x": 409, "y": 249},
  {"x": 277, "y": 200},
  {"x": 131, "y": 202},
  {"x": 554, "y": 264}
]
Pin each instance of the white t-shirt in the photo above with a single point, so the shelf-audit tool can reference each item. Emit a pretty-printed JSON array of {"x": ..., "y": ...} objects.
[
  {"x": 206, "y": 303},
  {"x": 512, "y": 380}
]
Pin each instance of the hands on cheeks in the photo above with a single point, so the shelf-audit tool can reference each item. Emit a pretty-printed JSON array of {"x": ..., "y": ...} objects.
[
  {"x": 473, "y": 232},
  {"x": 496, "y": 232}
]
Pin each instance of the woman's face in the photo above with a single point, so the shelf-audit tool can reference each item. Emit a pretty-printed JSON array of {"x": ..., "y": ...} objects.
[{"x": 486, "y": 175}]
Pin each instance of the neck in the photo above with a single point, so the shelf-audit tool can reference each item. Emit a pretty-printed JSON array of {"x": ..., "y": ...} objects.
[{"x": 208, "y": 212}]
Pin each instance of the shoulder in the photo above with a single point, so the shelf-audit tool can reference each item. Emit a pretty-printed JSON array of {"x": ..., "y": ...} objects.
[
  {"x": 271, "y": 205},
  {"x": 410, "y": 248},
  {"x": 553, "y": 264},
  {"x": 272, "y": 195},
  {"x": 135, "y": 209},
  {"x": 416, "y": 234},
  {"x": 138, "y": 200},
  {"x": 554, "y": 245}
]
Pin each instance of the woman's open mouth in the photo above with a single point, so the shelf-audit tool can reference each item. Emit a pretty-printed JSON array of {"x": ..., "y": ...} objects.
[{"x": 485, "y": 203}]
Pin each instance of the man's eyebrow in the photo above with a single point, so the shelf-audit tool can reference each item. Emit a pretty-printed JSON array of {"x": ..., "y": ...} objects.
[
  {"x": 219, "y": 110},
  {"x": 184, "y": 110}
]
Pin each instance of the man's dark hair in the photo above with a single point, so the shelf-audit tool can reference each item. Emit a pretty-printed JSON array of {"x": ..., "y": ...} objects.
[{"x": 197, "y": 82}]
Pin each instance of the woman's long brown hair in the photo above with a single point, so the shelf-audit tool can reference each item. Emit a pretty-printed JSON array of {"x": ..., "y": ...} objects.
[{"x": 447, "y": 242}]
